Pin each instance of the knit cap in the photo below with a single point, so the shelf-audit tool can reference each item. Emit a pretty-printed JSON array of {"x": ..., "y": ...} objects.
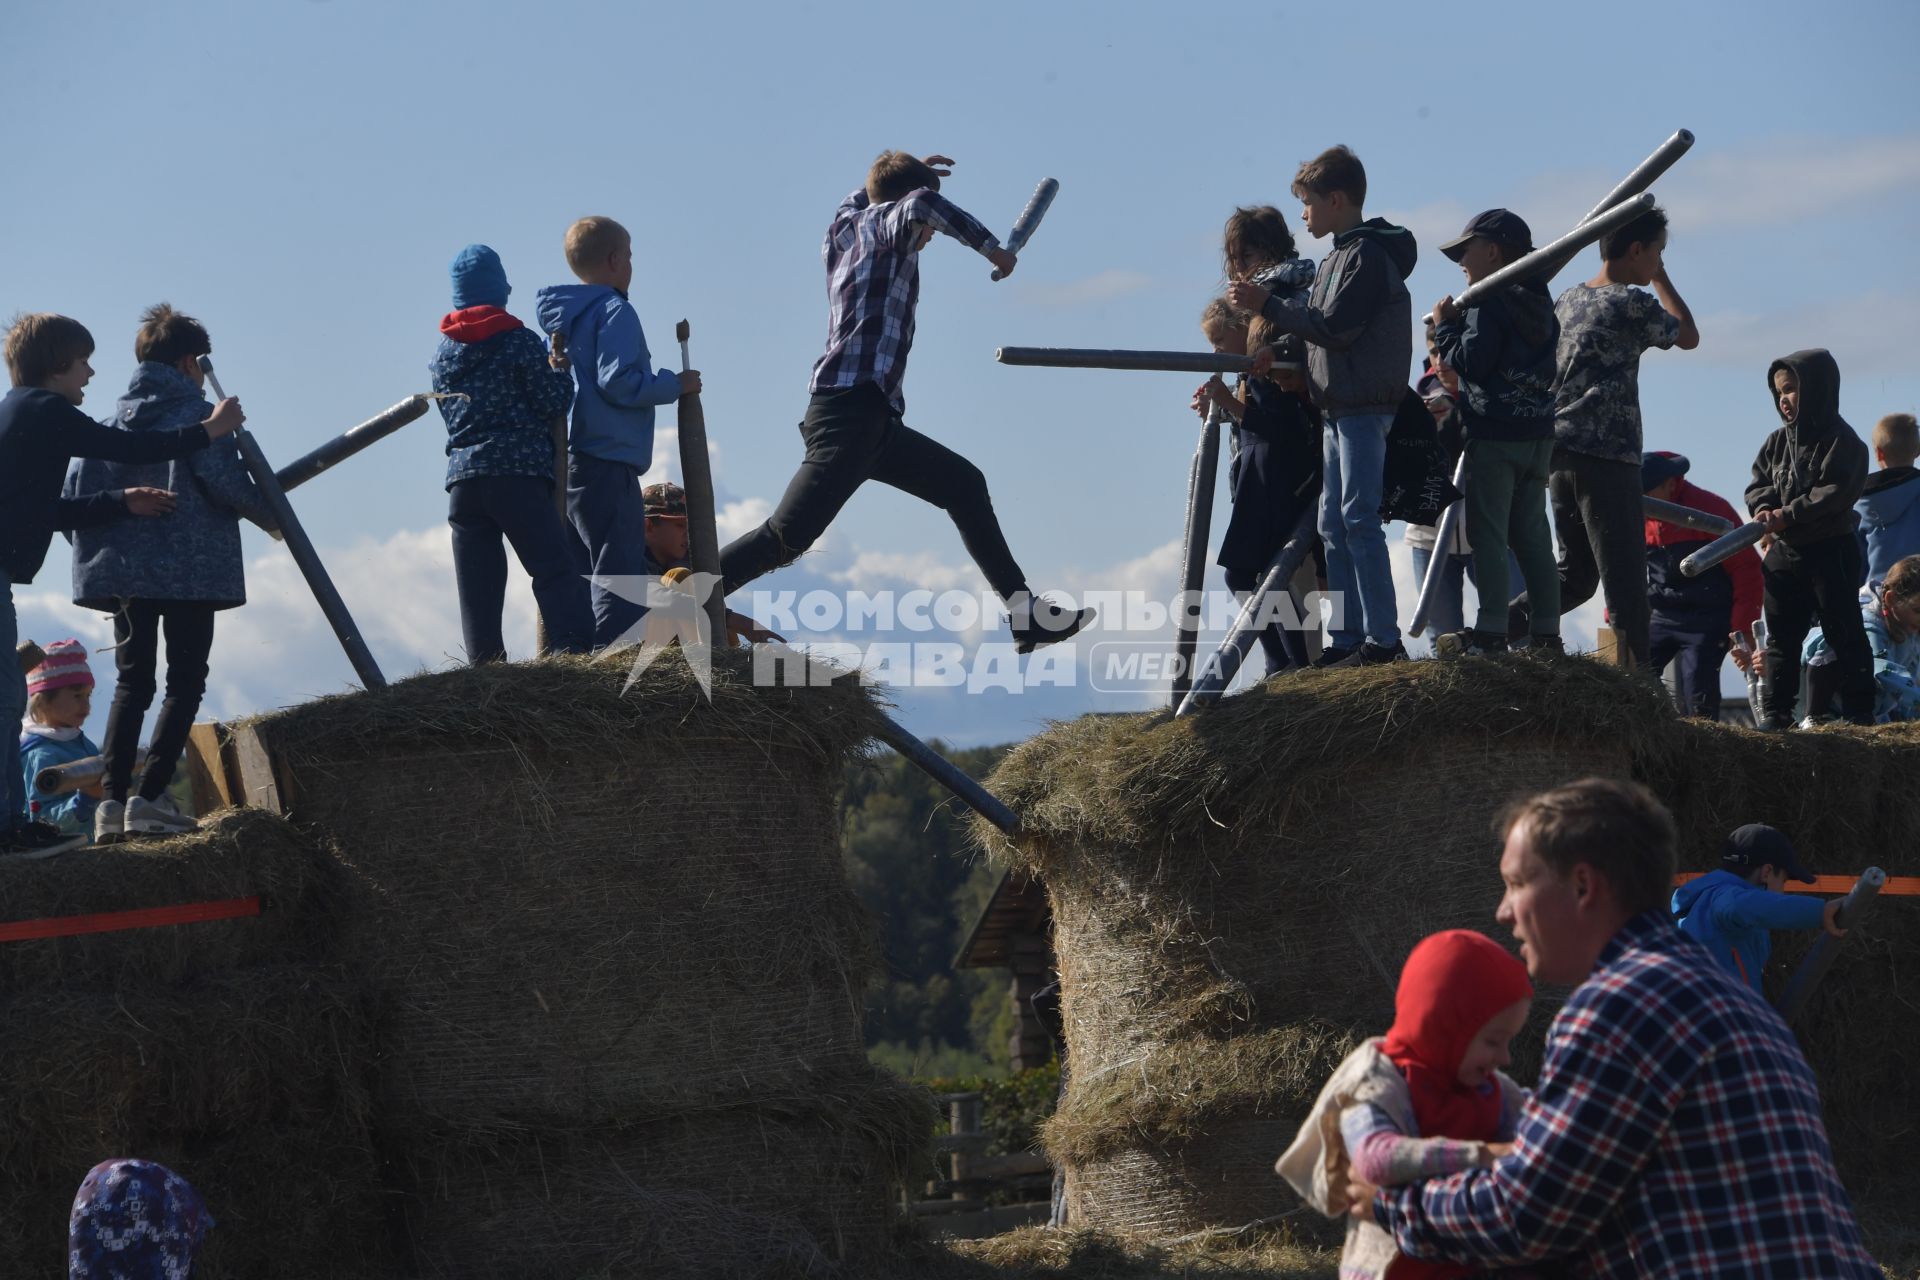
[
  {"x": 65, "y": 664},
  {"x": 478, "y": 278}
]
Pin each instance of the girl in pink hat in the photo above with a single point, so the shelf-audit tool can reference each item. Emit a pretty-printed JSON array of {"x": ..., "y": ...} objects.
[{"x": 59, "y": 699}]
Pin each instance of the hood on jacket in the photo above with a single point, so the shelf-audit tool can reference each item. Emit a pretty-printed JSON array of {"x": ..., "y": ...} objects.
[
  {"x": 558, "y": 306},
  {"x": 1399, "y": 243},
  {"x": 160, "y": 398},
  {"x": 1889, "y": 494},
  {"x": 1819, "y": 378},
  {"x": 1530, "y": 307},
  {"x": 1694, "y": 892},
  {"x": 477, "y": 324}
]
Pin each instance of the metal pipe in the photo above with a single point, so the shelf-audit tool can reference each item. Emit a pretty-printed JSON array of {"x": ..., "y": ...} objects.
[
  {"x": 1739, "y": 643},
  {"x": 1723, "y": 548},
  {"x": 1029, "y": 220},
  {"x": 696, "y": 475},
  {"x": 324, "y": 592},
  {"x": 1213, "y": 679},
  {"x": 62, "y": 779},
  {"x": 1542, "y": 262},
  {"x": 350, "y": 442},
  {"x": 1105, "y": 358},
  {"x": 1763, "y": 683},
  {"x": 944, "y": 772},
  {"x": 1193, "y": 556},
  {"x": 1646, "y": 173},
  {"x": 1853, "y": 909},
  {"x": 1442, "y": 539},
  {"x": 1687, "y": 517}
]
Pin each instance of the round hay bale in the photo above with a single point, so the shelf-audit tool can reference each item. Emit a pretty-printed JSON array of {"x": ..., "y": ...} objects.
[
  {"x": 590, "y": 901},
  {"x": 237, "y": 853}
]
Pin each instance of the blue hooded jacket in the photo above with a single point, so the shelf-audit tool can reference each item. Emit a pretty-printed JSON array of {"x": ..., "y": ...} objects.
[
  {"x": 1733, "y": 918},
  {"x": 192, "y": 553},
  {"x": 616, "y": 384},
  {"x": 1889, "y": 511}
]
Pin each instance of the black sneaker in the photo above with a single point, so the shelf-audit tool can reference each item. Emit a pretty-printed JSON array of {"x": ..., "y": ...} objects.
[
  {"x": 1544, "y": 646},
  {"x": 1379, "y": 655},
  {"x": 1335, "y": 655},
  {"x": 1469, "y": 644},
  {"x": 39, "y": 840},
  {"x": 1047, "y": 623},
  {"x": 1776, "y": 722}
]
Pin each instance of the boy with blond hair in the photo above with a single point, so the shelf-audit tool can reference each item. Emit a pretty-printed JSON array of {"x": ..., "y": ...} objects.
[
  {"x": 616, "y": 389},
  {"x": 1358, "y": 324},
  {"x": 41, "y": 431},
  {"x": 1889, "y": 506}
]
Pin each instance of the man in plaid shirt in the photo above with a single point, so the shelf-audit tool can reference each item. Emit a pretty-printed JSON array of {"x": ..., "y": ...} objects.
[
  {"x": 853, "y": 428},
  {"x": 1676, "y": 1128}
]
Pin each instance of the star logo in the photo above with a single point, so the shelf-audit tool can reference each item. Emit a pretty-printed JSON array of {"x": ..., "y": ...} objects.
[{"x": 674, "y": 612}]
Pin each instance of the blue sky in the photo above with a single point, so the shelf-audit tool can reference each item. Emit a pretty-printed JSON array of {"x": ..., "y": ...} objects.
[{"x": 298, "y": 175}]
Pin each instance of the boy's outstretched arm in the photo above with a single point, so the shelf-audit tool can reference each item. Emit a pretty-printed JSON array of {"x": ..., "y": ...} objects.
[{"x": 630, "y": 380}]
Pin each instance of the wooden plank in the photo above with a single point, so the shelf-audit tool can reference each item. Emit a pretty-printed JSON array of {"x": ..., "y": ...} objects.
[
  {"x": 261, "y": 785},
  {"x": 210, "y": 767}
]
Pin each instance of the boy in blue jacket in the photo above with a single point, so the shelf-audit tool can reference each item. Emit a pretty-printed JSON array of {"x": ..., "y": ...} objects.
[
  {"x": 1889, "y": 505},
  {"x": 1732, "y": 909},
  {"x": 610, "y": 438},
  {"x": 500, "y": 463}
]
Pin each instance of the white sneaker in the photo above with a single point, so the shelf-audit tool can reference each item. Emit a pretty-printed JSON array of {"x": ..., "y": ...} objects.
[
  {"x": 157, "y": 818},
  {"x": 110, "y": 822}
]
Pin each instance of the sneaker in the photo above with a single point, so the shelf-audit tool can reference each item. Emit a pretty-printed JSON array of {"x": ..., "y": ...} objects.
[
  {"x": 157, "y": 818},
  {"x": 1469, "y": 644},
  {"x": 1776, "y": 722},
  {"x": 1048, "y": 624},
  {"x": 1336, "y": 655},
  {"x": 39, "y": 840},
  {"x": 110, "y": 822},
  {"x": 1379, "y": 655},
  {"x": 1543, "y": 646}
]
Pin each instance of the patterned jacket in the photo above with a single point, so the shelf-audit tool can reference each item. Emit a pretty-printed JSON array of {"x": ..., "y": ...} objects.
[
  {"x": 504, "y": 426},
  {"x": 1675, "y": 1132}
]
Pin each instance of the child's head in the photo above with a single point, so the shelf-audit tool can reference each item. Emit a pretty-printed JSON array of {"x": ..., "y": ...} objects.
[
  {"x": 1491, "y": 241},
  {"x": 1633, "y": 252},
  {"x": 1764, "y": 857},
  {"x": 1462, "y": 998},
  {"x": 479, "y": 279},
  {"x": 50, "y": 352},
  {"x": 1786, "y": 392},
  {"x": 168, "y": 337},
  {"x": 1331, "y": 187},
  {"x": 1900, "y": 598},
  {"x": 1225, "y": 328},
  {"x": 895, "y": 174},
  {"x": 599, "y": 251},
  {"x": 1896, "y": 440},
  {"x": 60, "y": 689},
  {"x": 1256, "y": 238}
]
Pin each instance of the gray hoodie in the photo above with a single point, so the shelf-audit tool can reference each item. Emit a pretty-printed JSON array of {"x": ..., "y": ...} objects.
[{"x": 1357, "y": 320}]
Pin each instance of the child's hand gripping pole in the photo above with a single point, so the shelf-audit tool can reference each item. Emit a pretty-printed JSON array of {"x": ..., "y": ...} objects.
[
  {"x": 696, "y": 476},
  {"x": 1029, "y": 220},
  {"x": 1723, "y": 548},
  {"x": 1559, "y": 252},
  {"x": 304, "y": 555}
]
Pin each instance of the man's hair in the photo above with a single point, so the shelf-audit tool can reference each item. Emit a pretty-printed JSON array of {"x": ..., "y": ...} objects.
[
  {"x": 1901, "y": 586},
  {"x": 1220, "y": 316},
  {"x": 1620, "y": 829},
  {"x": 166, "y": 335},
  {"x": 1898, "y": 437},
  {"x": 43, "y": 344},
  {"x": 1257, "y": 236},
  {"x": 1649, "y": 228},
  {"x": 591, "y": 241},
  {"x": 1335, "y": 169},
  {"x": 895, "y": 174}
]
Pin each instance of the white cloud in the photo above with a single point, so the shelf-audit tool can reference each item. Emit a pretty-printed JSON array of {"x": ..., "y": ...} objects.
[
  {"x": 1106, "y": 286},
  {"x": 1872, "y": 333}
]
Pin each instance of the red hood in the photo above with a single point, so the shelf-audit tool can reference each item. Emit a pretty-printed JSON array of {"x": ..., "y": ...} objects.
[
  {"x": 1662, "y": 534},
  {"x": 477, "y": 324}
]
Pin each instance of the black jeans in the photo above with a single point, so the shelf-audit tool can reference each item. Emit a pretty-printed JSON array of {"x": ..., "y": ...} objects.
[
  {"x": 1282, "y": 648},
  {"x": 1599, "y": 517},
  {"x": 482, "y": 511},
  {"x": 136, "y": 629},
  {"x": 853, "y": 436},
  {"x": 1820, "y": 580},
  {"x": 1700, "y": 649}
]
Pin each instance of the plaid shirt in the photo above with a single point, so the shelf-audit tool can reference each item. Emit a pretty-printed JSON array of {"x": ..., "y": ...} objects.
[
  {"x": 1675, "y": 1132},
  {"x": 873, "y": 283}
]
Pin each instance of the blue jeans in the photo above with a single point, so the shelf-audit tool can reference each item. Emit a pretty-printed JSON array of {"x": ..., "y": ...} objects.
[
  {"x": 1354, "y": 450},
  {"x": 604, "y": 503},
  {"x": 1447, "y": 611},
  {"x": 13, "y": 708}
]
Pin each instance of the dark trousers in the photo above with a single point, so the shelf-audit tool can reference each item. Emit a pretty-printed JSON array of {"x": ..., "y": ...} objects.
[
  {"x": 1283, "y": 649},
  {"x": 1698, "y": 650},
  {"x": 136, "y": 630},
  {"x": 610, "y": 517},
  {"x": 1817, "y": 580},
  {"x": 483, "y": 510},
  {"x": 853, "y": 436},
  {"x": 1599, "y": 516}
]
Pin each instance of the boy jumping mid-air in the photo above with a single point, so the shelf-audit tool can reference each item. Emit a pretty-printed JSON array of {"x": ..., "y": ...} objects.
[{"x": 854, "y": 430}]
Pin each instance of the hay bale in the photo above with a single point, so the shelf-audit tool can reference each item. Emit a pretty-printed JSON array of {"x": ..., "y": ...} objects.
[
  {"x": 590, "y": 902},
  {"x": 1264, "y": 869},
  {"x": 254, "y": 1086},
  {"x": 237, "y": 853}
]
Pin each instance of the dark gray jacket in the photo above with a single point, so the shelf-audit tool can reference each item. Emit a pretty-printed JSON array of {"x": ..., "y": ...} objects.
[
  {"x": 1813, "y": 467},
  {"x": 192, "y": 553},
  {"x": 1357, "y": 320}
]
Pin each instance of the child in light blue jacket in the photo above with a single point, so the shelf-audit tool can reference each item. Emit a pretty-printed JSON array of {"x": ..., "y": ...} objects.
[
  {"x": 1733, "y": 910},
  {"x": 1889, "y": 506},
  {"x": 59, "y": 699}
]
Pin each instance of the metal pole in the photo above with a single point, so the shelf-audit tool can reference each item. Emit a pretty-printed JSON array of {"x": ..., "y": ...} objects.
[
  {"x": 1762, "y": 687},
  {"x": 1687, "y": 517},
  {"x": 1723, "y": 548},
  {"x": 1853, "y": 909},
  {"x": 1442, "y": 539},
  {"x": 943, "y": 771},
  {"x": 1646, "y": 173},
  {"x": 1541, "y": 262},
  {"x": 696, "y": 473},
  {"x": 1103, "y": 358},
  {"x": 304, "y": 555},
  {"x": 1224, "y": 665},
  {"x": 1739, "y": 643},
  {"x": 1193, "y": 557},
  {"x": 350, "y": 442}
]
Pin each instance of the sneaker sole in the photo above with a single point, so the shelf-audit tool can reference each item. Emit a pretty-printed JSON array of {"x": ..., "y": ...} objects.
[
  {"x": 1041, "y": 641},
  {"x": 51, "y": 851}
]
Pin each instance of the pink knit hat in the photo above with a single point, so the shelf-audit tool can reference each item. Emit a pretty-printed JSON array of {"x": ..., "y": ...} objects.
[{"x": 66, "y": 664}]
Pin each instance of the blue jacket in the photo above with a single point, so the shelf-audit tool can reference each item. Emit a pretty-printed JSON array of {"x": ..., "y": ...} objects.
[
  {"x": 1896, "y": 663},
  {"x": 72, "y": 812},
  {"x": 191, "y": 554},
  {"x": 502, "y": 427},
  {"x": 1889, "y": 511},
  {"x": 616, "y": 384},
  {"x": 1733, "y": 918}
]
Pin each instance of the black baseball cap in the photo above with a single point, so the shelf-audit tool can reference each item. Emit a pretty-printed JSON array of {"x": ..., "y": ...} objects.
[
  {"x": 1502, "y": 225},
  {"x": 1656, "y": 467},
  {"x": 1758, "y": 845}
]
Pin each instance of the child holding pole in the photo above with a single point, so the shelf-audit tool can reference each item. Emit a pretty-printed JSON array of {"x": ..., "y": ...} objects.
[
  {"x": 59, "y": 700},
  {"x": 168, "y": 576}
]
